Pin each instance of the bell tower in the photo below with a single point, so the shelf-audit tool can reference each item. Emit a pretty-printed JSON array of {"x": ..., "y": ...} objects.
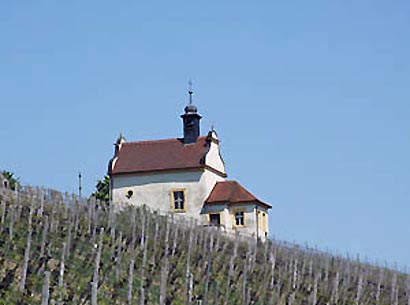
[{"x": 191, "y": 120}]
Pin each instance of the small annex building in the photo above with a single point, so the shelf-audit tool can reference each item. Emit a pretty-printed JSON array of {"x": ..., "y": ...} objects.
[{"x": 185, "y": 176}]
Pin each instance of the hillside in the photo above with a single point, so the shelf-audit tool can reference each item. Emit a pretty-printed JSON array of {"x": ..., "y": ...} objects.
[{"x": 55, "y": 250}]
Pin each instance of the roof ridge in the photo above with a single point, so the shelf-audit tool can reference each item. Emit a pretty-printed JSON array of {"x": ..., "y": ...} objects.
[
  {"x": 156, "y": 141},
  {"x": 234, "y": 192},
  {"x": 240, "y": 186},
  {"x": 162, "y": 154}
]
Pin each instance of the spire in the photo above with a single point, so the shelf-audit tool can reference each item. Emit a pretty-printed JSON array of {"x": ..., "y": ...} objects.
[
  {"x": 191, "y": 120},
  {"x": 191, "y": 108}
]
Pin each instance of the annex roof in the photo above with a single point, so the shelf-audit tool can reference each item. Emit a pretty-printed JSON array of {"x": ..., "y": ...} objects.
[
  {"x": 232, "y": 192},
  {"x": 159, "y": 155}
]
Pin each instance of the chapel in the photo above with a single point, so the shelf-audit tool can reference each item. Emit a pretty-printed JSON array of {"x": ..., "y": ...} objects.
[{"x": 185, "y": 176}]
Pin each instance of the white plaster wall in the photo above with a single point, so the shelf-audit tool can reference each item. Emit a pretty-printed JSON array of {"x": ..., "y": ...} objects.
[
  {"x": 154, "y": 190},
  {"x": 250, "y": 219},
  {"x": 227, "y": 213},
  {"x": 213, "y": 157},
  {"x": 261, "y": 232}
]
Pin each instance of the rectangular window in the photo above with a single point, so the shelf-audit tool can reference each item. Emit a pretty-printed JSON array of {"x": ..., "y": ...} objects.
[
  {"x": 178, "y": 200},
  {"x": 215, "y": 219},
  {"x": 239, "y": 218}
]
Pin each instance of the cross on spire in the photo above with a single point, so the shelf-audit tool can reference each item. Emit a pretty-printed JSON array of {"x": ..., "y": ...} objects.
[
  {"x": 191, "y": 119},
  {"x": 190, "y": 92}
]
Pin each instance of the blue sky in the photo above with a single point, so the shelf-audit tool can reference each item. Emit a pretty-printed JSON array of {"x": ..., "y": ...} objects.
[{"x": 310, "y": 100}]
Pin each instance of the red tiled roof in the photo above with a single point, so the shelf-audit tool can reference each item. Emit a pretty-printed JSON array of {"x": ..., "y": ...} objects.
[
  {"x": 231, "y": 192},
  {"x": 159, "y": 155}
]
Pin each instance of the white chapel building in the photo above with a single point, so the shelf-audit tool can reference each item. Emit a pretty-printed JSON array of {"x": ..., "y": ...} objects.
[{"x": 185, "y": 176}]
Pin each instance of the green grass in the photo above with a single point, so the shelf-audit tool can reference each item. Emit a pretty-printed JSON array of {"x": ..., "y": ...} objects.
[{"x": 295, "y": 268}]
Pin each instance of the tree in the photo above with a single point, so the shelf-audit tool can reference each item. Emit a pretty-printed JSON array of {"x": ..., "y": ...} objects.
[
  {"x": 13, "y": 181},
  {"x": 103, "y": 189}
]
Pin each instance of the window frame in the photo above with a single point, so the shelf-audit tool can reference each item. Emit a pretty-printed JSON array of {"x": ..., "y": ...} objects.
[
  {"x": 234, "y": 225},
  {"x": 214, "y": 213},
  {"x": 172, "y": 198}
]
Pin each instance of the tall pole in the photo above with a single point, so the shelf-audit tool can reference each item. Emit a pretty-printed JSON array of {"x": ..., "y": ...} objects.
[{"x": 79, "y": 185}]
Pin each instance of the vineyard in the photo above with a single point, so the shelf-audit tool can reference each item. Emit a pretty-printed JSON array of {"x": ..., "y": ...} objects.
[{"x": 58, "y": 249}]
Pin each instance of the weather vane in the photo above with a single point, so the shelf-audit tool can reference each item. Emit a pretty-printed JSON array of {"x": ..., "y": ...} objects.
[{"x": 190, "y": 92}]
